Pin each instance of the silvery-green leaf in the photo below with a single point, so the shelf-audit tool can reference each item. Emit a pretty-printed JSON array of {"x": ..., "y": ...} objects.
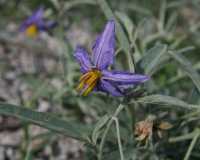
[
  {"x": 95, "y": 134},
  {"x": 71, "y": 129},
  {"x": 187, "y": 67},
  {"x": 166, "y": 101},
  {"x": 127, "y": 22},
  {"x": 153, "y": 58}
]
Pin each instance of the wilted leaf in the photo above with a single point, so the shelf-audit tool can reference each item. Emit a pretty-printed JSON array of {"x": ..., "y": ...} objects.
[
  {"x": 143, "y": 129},
  {"x": 165, "y": 125}
]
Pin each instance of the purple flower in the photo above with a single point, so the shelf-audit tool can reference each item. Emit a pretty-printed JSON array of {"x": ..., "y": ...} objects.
[
  {"x": 35, "y": 23},
  {"x": 96, "y": 75}
]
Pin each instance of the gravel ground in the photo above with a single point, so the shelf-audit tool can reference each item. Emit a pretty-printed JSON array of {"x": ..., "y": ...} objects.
[{"x": 16, "y": 60}]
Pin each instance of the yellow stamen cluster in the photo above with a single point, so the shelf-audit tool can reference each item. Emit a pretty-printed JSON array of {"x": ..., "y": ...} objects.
[
  {"x": 31, "y": 31},
  {"x": 88, "y": 81}
]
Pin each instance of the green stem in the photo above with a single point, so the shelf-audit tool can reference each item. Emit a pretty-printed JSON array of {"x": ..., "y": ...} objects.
[
  {"x": 192, "y": 144},
  {"x": 25, "y": 147},
  {"x": 162, "y": 16},
  {"x": 118, "y": 110},
  {"x": 182, "y": 138},
  {"x": 119, "y": 139},
  {"x": 28, "y": 152}
]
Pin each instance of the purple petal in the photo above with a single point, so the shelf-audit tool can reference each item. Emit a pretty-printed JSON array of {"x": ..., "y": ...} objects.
[
  {"x": 83, "y": 59},
  {"x": 43, "y": 26},
  {"x": 51, "y": 24},
  {"x": 104, "y": 47},
  {"x": 23, "y": 27},
  {"x": 124, "y": 78},
  {"x": 36, "y": 18},
  {"x": 37, "y": 15},
  {"x": 110, "y": 88}
]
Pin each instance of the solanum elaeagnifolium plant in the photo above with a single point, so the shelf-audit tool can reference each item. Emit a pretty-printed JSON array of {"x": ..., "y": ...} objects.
[{"x": 125, "y": 87}]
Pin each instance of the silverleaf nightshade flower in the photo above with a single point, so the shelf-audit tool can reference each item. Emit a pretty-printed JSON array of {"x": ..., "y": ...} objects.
[
  {"x": 36, "y": 23},
  {"x": 96, "y": 75}
]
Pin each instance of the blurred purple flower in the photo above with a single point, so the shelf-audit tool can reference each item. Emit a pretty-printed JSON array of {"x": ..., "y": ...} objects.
[
  {"x": 96, "y": 75},
  {"x": 35, "y": 23}
]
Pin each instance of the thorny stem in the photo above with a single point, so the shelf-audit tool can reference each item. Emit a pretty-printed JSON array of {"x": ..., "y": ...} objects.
[
  {"x": 118, "y": 138},
  {"x": 118, "y": 110}
]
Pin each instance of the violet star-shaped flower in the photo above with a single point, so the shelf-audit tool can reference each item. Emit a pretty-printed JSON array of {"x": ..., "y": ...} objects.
[
  {"x": 35, "y": 23},
  {"x": 96, "y": 75}
]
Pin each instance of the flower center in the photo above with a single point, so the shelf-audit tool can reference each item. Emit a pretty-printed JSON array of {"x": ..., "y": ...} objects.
[
  {"x": 31, "y": 31},
  {"x": 88, "y": 81}
]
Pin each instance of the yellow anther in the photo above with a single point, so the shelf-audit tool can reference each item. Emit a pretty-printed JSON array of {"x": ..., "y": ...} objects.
[
  {"x": 31, "y": 31},
  {"x": 88, "y": 81},
  {"x": 80, "y": 86},
  {"x": 89, "y": 89}
]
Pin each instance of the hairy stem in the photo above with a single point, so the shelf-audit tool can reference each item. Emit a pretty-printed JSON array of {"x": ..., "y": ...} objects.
[
  {"x": 192, "y": 144},
  {"x": 118, "y": 138},
  {"x": 118, "y": 110}
]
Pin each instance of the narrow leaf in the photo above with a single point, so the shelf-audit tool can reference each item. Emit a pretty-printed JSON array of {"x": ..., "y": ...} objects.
[
  {"x": 187, "y": 67},
  {"x": 139, "y": 9},
  {"x": 74, "y": 3},
  {"x": 167, "y": 101},
  {"x": 102, "y": 121},
  {"x": 153, "y": 58},
  {"x": 127, "y": 22},
  {"x": 46, "y": 120}
]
